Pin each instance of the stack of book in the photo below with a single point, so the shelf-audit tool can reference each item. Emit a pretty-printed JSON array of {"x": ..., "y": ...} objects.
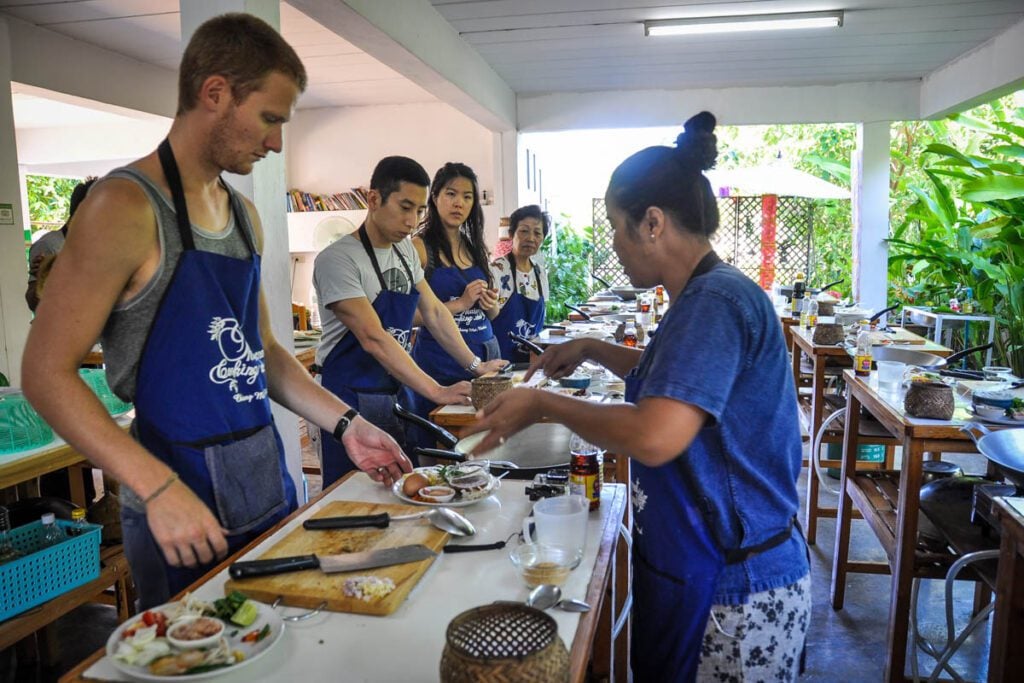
[{"x": 340, "y": 201}]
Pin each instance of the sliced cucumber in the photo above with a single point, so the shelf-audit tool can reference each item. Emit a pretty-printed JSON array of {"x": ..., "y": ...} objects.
[{"x": 246, "y": 614}]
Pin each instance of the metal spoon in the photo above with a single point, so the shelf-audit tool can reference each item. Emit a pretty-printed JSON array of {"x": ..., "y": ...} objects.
[
  {"x": 544, "y": 596},
  {"x": 573, "y": 606},
  {"x": 442, "y": 518},
  {"x": 449, "y": 520}
]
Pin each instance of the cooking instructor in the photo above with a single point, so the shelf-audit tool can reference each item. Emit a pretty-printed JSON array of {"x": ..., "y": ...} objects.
[{"x": 721, "y": 585}]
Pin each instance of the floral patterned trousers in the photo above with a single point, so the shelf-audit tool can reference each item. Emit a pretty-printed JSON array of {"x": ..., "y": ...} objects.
[{"x": 758, "y": 641}]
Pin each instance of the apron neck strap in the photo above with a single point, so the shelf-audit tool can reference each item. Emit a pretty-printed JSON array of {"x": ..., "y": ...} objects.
[
  {"x": 515, "y": 270},
  {"x": 365, "y": 239},
  {"x": 710, "y": 260},
  {"x": 170, "y": 168}
]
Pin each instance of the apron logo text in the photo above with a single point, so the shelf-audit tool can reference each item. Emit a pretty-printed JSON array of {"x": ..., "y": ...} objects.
[{"x": 240, "y": 364}]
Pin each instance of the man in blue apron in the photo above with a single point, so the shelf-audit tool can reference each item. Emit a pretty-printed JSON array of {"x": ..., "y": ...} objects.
[
  {"x": 370, "y": 286},
  {"x": 164, "y": 267}
]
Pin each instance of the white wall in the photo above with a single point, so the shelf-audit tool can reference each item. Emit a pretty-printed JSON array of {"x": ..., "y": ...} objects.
[
  {"x": 330, "y": 150},
  {"x": 48, "y": 147}
]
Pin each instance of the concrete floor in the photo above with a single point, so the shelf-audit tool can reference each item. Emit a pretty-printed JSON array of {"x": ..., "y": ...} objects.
[{"x": 841, "y": 646}]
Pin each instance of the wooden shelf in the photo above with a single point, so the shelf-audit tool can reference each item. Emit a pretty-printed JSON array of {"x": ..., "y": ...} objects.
[{"x": 113, "y": 573}]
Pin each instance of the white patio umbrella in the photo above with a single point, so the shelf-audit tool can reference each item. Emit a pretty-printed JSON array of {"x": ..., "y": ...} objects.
[{"x": 777, "y": 179}]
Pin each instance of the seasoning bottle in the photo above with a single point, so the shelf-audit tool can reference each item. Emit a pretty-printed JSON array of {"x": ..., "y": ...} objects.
[
  {"x": 51, "y": 534},
  {"x": 796, "y": 303},
  {"x": 585, "y": 470},
  {"x": 630, "y": 339},
  {"x": 811, "y": 312},
  {"x": 862, "y": 359},
  {"x": 78, "y": 524},
  {"x": 659, "y": 295},
  {"x": 7, "y": 550}
]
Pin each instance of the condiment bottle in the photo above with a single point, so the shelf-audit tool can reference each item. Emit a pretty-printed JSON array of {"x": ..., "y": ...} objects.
[
  {"x": 630, "y": 339},
  {"x": 811, "y": 313},
  {"x": 78, "y": 524},
  {"x": 659, "y": 295},
  {"x": 7, "y": 550},
  {"x": 862, "y": 359},
  {"x": 798, "y": 297},
  {"x": 585, "y": 470},
  {"x": 51, "y": 533}
]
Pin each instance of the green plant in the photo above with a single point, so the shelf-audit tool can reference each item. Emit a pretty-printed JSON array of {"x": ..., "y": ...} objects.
[
  {"x": 967, "y": 228},
  {"x": 567, "y": 260},
  {"x": 49, "y": 197}
]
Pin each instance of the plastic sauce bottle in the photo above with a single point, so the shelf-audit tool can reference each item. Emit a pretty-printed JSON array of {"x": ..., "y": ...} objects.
[
  {"x": 51, "y": 534},
  {"x": 78, "y": 524},
  {"x": 798, "y": 298},
  {"x": 811, "y": 312},
  {"x": 659, "y": 295},
  {"x": 585, "y": 470},
  {"x": 862, "y": 359}
]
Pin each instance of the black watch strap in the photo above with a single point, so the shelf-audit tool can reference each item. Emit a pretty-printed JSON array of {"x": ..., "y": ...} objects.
[{"x": 344, "y": 422}]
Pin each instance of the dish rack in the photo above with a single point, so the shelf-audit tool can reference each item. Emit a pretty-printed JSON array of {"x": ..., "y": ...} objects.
[
  {"x": 44, "y": 573},
  {"x": 21, "y": 428},
  {"x": 97, "y": 380}
]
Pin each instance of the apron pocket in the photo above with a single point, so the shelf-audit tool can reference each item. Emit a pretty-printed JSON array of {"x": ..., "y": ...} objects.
[{"x": 246, "y": 479}]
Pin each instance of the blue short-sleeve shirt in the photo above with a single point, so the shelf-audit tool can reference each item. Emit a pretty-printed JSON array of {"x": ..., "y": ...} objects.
[{"x": 720, "y": 348}]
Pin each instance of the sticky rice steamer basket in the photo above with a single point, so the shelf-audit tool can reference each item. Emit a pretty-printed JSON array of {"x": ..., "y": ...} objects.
[{"x": 504, "y": 641}]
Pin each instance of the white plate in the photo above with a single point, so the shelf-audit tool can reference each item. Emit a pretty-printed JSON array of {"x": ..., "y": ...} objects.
[
  {"x": 457, "y": 502},
  {"x": 996, "y": 420},
  {"x": 252, "y": 651}
]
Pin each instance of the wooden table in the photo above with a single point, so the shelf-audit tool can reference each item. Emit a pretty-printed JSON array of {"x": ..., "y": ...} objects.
[
  {"x": 890, "y": 505},
  {"x": 1006, "y": 656},
  {"x": 407, "y": 645},
  {"x": 830, "y": 359}
]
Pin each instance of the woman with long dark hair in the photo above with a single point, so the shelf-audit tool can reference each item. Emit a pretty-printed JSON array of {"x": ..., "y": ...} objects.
[
  {"x": 454, "y": 256},
  {"x": 721, "y": 583}
]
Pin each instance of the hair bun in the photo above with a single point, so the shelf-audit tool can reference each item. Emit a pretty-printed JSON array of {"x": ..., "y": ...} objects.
[{"x": 697, "y": 146}]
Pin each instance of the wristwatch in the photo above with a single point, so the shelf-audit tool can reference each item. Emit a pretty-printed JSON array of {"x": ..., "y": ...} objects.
[
  {"x": 474, "y": 365},
  {"x": 344, "y": 422}
]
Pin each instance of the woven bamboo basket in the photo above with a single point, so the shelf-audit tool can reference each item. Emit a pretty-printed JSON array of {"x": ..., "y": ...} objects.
[
  {"x": 504, "y": 642},
  {"x": 929, "y": 399}
]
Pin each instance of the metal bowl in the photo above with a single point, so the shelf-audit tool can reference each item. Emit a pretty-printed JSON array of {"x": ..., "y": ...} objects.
[{"x": 627, "y": 293}]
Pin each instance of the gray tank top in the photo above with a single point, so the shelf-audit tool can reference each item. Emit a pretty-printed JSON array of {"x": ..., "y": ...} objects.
[{"x": 124, "y": 335}]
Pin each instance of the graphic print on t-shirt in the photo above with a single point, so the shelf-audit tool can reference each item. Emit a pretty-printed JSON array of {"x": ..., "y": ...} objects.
[
  {"x": 397, "y": 281},
  {"x": 239, "y": 366}
]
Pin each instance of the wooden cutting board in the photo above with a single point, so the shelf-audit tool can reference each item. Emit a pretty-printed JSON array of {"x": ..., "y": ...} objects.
[
  {"x": 310, "y": 587},
  {"x": 903, "y": 336}
]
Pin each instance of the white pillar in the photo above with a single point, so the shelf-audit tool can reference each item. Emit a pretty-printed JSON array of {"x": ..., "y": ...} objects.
[
  {"x": 266, "y": 188},
  {"x": 14, "y": 314},
  {"x": 871, "y": 214}
]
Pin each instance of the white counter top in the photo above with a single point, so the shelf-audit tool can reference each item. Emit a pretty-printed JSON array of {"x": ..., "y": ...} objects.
[{"x": 407, "y": 645}]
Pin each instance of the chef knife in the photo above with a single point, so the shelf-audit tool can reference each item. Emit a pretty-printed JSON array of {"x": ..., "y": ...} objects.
[{"x": 329, "y": 564}]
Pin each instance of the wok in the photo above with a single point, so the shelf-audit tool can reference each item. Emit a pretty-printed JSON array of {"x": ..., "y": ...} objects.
[
  {"x": 525, "y": 344},
  {"x": 538, "y": 448},
  {"x": 627, "y": 293},
  {"x": 1003, "y": 448},
  {"x": 787, "y": 291},
  {"x": 922, "y": 359}
]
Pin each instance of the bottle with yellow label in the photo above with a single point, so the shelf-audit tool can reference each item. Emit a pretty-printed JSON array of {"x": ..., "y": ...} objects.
[{"x": 862, "y": 359}]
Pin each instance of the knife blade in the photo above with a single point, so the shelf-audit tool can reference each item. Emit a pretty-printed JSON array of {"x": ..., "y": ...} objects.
[{"x": 329, "y": 564}]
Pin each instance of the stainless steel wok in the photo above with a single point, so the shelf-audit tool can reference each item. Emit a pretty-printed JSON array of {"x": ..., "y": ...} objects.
[
  {"x": 921, "y": 359},
  {"x": 538, "y": 448},
  {"x": 1003, "y": 448}
]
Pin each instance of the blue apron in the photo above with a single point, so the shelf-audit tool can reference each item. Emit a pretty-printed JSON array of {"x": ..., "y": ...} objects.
[
  {"x": 521, "y": 315},
  {"x": 447, "y": 283},
  {"x": 202, "y": 404},
  {"x": 676, "y": 567},
  {"x": 357, "y": 378}
]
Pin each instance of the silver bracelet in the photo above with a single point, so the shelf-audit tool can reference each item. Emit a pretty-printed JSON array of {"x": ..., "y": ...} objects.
[{"x": 474, "y": 365}]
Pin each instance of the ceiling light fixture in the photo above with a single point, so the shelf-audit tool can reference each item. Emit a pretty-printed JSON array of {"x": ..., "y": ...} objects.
[{"x": 749, "y": 22}]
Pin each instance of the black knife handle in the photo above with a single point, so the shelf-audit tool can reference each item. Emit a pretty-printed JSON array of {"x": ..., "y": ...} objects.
[
  {"x": 381, "y": 521},
  {"x": 278, "y": 565},
  {"x": 472, "y": 548},
  {"x": 440, "y": 454}
]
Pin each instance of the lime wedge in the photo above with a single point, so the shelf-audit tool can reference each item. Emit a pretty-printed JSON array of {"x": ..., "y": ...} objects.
[{"x": 246, "y": 614}]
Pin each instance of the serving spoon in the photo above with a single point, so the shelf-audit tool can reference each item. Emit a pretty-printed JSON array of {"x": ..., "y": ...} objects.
[{"x": 444, "y": 519}]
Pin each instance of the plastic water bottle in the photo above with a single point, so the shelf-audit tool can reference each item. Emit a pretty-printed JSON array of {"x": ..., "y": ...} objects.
[
  {"x": 811, "y": 306},
  {"x": 862, "y": 360},
  {"x": 52, "y": 534}
]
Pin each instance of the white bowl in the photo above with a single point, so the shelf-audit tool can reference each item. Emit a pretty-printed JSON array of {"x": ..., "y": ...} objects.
[
  {"x": 990, "y": 412},
  {"x": 176, "y": 628}
]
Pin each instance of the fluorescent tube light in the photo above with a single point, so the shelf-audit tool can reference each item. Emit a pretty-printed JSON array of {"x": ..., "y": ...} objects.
[{"x": 736, "y": 24}]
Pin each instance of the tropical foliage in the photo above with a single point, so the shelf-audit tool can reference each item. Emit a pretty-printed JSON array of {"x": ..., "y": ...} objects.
[
  {"x": 567, "y": 255},
  {"x": 965, "y": 226},
  {"x": 49, "y": 198}
]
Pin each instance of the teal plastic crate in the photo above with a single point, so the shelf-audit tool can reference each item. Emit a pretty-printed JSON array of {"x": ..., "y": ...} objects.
[
  {"x": 44, "y": 573},
  {"x": 865, "y": 452}
]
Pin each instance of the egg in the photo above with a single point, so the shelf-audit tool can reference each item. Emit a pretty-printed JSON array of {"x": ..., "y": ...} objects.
[{"x": 413, "y": 483}]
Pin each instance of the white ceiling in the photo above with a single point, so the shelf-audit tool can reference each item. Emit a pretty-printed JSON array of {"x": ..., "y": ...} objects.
[
  {"x": 540, "y": 46},
  {"x": 340, "y": 75}
]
